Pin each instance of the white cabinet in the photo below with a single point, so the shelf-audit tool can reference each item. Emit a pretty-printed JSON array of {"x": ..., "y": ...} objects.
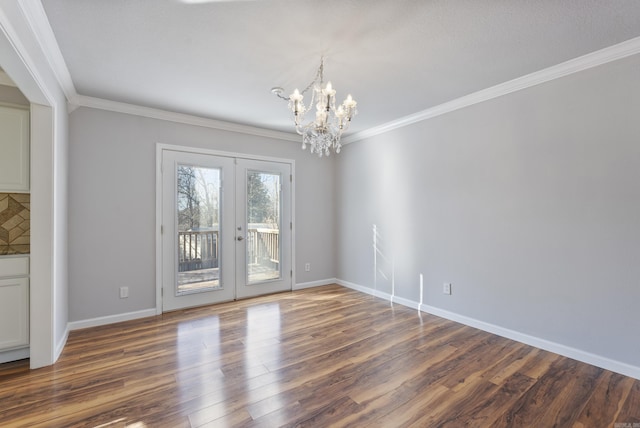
[
  {"x": 14, "y": 149},
  {"x": 14, "y": 302}
]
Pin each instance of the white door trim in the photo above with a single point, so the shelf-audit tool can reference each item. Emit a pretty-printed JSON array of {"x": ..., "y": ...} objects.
[{"x": 159, "y": 149}]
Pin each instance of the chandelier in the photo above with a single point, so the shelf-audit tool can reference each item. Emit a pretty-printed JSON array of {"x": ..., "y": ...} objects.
[{"x": 323, "y": 133}]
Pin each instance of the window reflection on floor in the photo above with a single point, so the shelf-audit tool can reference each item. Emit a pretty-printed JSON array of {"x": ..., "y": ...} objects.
[{"x": 262, "y": 331}]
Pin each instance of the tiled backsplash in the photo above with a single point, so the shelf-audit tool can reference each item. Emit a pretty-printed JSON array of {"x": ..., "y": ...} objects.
[{"x": 14, "y": 223}]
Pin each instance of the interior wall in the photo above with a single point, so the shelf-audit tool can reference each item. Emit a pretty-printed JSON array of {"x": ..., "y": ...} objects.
[
  {"x": 26, "y": 64},
  {"x": 112, "y": 160},
  {"x": 528, "y": 204},
  {"x": 12, "y": 95}
]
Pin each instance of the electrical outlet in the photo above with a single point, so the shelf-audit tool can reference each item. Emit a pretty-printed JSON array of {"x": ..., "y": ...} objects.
[
  {"x": 446, "y": 288},
  {"x": 124, "y": 292},
  {"x": 307, "y": 267}
]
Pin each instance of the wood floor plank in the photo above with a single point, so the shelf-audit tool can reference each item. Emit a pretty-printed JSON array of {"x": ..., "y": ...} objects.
[
  {"x": 606, "y": 401},
  {"x": 389, "y": 410},
  {"x": 489, "y": 408},
  {"x": 630, "y": 413},
  {"x": 319, "y": 357},
  {"x": 556, "y": 398},
  {"x": 386, "y": 385},
  {"x": 512, "y": 365}
]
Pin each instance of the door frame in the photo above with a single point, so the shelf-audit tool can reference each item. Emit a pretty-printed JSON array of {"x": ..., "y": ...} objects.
[{"x": 160, "y": 147}]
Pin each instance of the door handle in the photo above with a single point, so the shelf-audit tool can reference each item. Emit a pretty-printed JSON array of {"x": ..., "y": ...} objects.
[{"x": 240, "y": 238}]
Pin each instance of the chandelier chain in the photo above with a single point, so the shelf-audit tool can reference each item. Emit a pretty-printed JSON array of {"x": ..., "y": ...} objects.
[{"x": 319, "y": 76}]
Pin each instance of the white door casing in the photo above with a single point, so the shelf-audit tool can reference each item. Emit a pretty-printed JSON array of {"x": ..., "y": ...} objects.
[{"x": 238, "y": 271}]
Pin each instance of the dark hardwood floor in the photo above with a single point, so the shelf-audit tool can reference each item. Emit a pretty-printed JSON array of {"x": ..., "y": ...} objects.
[{"x": 320, "y": 357}]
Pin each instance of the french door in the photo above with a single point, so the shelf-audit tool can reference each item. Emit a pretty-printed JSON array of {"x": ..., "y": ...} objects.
[{"x": 226, "y": 228}]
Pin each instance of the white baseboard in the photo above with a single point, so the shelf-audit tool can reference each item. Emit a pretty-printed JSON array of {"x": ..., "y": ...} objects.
[
  {"x": 110, "y": 319},
  {"x": 366, "y": 290},
  {"x": 557, "y": 348},
  {"x": 318, "y": 283},
  {"x": 14, "y": 355},
  {"x": 61, "y": 343}
]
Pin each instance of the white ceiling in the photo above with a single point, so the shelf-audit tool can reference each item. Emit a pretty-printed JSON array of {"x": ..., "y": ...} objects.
[{"x": 219, "y": 59}]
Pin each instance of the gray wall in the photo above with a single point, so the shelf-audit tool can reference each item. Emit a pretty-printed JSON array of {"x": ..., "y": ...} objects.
[
  {"x": 529, "y": 204},
  {"x": 112, "y": 205},
  {"x": 12, "y": 95}
]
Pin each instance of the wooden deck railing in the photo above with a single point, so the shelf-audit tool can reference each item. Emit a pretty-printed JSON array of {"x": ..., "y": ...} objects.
[
  {"x": 197, "y": 250},
  {"x": 263, "y": 245},
  {"x": 200, "y": 249}
]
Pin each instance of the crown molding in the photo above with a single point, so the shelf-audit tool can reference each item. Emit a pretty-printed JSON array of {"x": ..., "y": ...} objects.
[
  {"x": 43, "y": 94},
  {"x": 187, "y": 119},
  {"x": 593, "y": 59},
  {"x": 37, "y": 19}
]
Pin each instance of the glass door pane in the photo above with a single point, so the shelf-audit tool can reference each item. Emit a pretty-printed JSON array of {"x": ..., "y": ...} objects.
[
  {"x": 263, "y": 226},
  {"x": 198, "y": 239}
]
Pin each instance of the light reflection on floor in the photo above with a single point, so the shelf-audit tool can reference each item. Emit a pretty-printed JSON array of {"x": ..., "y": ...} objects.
[
  {"x": 198, "y": 344},
  {"x": 207, "y": 358},
  {"x": 262, "y": 341}
]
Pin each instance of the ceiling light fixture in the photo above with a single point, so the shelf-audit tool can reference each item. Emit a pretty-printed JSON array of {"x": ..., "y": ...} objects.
[{"x": 324, "y": 132}]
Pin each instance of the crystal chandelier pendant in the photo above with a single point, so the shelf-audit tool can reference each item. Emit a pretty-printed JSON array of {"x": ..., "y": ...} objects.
[{"x": 323, "y": 133}]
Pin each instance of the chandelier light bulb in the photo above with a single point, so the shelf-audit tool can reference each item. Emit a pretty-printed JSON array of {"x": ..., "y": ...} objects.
[
  {"x": 328, "y": 90},
  {"x": 296, "y": 96},
  {"x": 349, "y": 103}
]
